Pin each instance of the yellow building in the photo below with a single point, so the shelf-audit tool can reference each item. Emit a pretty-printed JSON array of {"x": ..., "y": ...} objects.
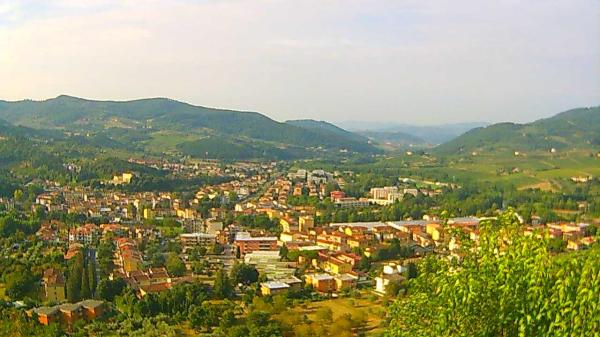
[
  {"x": 306, "y": 222},
  {"x": 273, "y": 213},
  {"x": 124, "y": 178},
  {"x": 54, "y": 285},
  {"x": 344, "y": 281},
  {"x": 435, "y": 230},
  {"x": 127, "y": 177},
  {"x": 187, "y": 213},
  {"x": 148, "y": 214},
  {"x": 288, "y": 224},
  {"x": 273, "y": 287},
  {"x": 336, "y": 266},
  {"x": 286, "y": 237}
]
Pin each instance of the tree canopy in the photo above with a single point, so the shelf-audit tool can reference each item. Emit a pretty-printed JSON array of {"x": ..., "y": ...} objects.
[{"x": 510, "y": 285}]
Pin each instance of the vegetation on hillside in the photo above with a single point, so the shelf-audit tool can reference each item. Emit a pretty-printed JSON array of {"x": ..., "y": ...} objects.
[
  {"x": 156, "y": 114},
  {"x": 578, "y": 128},
  {"x": 511, "y": 285}
]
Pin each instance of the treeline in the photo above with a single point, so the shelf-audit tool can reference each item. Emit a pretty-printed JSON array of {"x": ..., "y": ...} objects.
[
  {"x": 259, "y": 221},
  {"x": 473, "y": 199},
  {"x": 106, "y": 168},
  {"x": 82, "y": 278},
  {"x": 12, "y": 223},
  {"x": 172, "y": 184}
]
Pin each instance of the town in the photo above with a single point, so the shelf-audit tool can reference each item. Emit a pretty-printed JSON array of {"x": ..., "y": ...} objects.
[
  {"x": 260, "y": 168},
  {"x": 266, "y": 226}
]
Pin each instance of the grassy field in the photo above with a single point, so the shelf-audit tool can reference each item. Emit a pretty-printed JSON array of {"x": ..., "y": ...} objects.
[
  {"x": 166, "y": 141},
  {"x": 169, "y": 231},
  {"x": 529, "y": 170},
  {"x": 372, "y": 310}
]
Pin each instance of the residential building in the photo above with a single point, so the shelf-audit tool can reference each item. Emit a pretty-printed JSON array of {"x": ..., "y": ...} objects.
[
  {"x": 85, "y": 234},
  {"x": 273, "y": 287},
  {"x": 305, "y": 223},
  {"x": 391, "y": 273},
  {"x": 351, "y": 202},
  {"x": 323, "y": 283},
  {"x": 69, "y": 313},
  {"x": 189, "y": 240},
  {"x": 248, "y": 244},
  {"x": 54, "y": 285}
]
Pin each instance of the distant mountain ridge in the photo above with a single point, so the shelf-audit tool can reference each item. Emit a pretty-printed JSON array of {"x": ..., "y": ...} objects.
[
  {"x": 160, "y": 125},
  {"x": 576, "y": 128},
  {"x": 395, "y": 138},
  {"x": 410, "y": 134},
  {"x": 152, "y": 115}
]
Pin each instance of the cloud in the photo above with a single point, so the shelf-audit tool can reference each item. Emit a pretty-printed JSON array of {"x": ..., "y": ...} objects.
[{"x": 411, "y": 61}]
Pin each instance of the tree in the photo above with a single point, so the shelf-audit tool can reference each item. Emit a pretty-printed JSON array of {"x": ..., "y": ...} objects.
[
  {"x": 19, "y": 283},
  {"x": 198, "y": 317},
  {"x": 393, "y": 288},
  {"x": 260, "y": 324},
  {"x": 157, "y": 260},
  {"x": 283, "y": 252},
  {"x": 511, "y": 285},
  {"x": 197, "y": 253},
  {"x": 222, "y": 287},
  {"x": 104, "y": 257},
  {"x": 411, "y": 270},
  {"x": 324, "y": 315},
  {"x": 364, "y": 264},
  {"x": 217, "y": 249},
  {"x": 85, "y": 283},
  {"x": 91, "y": 275},
  {"x": 108, "y": 289},
  {"x": 18, "y": 195},
  {"x": 74, "y": 279},
  {"x": 244, "y": 274},
  {"x": 175, "y": 265}
]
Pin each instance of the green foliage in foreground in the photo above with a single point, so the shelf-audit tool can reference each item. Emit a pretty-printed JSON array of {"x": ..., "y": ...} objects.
[{"x": 511, "y": 286}]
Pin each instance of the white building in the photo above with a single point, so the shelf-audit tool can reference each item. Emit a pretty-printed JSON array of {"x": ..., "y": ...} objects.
[{"x": 391, "y": 273}]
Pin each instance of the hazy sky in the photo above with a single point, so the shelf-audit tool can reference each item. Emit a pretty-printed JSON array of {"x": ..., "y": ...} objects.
[{"x": 415, "y": 61}]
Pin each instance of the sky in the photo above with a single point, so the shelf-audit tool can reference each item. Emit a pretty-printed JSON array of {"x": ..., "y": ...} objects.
[{"x": 401, "y": 61}]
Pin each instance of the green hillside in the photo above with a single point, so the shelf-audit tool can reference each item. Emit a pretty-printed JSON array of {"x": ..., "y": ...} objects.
[
  {"x": 228, "y": 148},
  {"x": 326, "y": 127},
  {"x": 146, "y": 116},
  {"x": 573, "y": 129}
]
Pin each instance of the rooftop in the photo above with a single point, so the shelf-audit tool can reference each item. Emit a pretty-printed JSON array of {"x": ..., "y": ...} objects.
[{"x": 275, "y": 285}]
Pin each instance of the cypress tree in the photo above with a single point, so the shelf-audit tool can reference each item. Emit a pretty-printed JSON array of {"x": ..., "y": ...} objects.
[
  {"x": 85, "y": 283},
  {"x": 92, "y": 278},
  {"x": 74, "y": 279}
]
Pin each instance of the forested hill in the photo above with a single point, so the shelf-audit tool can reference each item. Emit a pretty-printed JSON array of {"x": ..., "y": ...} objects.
[
  {"x": 326, "y": 127},
  {"x": 573, "y": 129},
  {"x": 166, "y": 115}
]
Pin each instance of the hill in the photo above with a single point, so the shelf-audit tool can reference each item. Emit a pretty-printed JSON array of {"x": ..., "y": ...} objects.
[
  {"x": 148, "y": 118},
  {"x": 326, "y": 127},
  {"x": 573, "y": 129}
]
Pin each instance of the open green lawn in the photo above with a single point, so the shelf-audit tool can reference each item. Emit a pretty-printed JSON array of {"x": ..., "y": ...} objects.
[
  {"x": 373, "y": 310},
  {"x": 166, "y": 141},
  {"x": 169, "y": 231},
  {"x": 542, "y": 170}
]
